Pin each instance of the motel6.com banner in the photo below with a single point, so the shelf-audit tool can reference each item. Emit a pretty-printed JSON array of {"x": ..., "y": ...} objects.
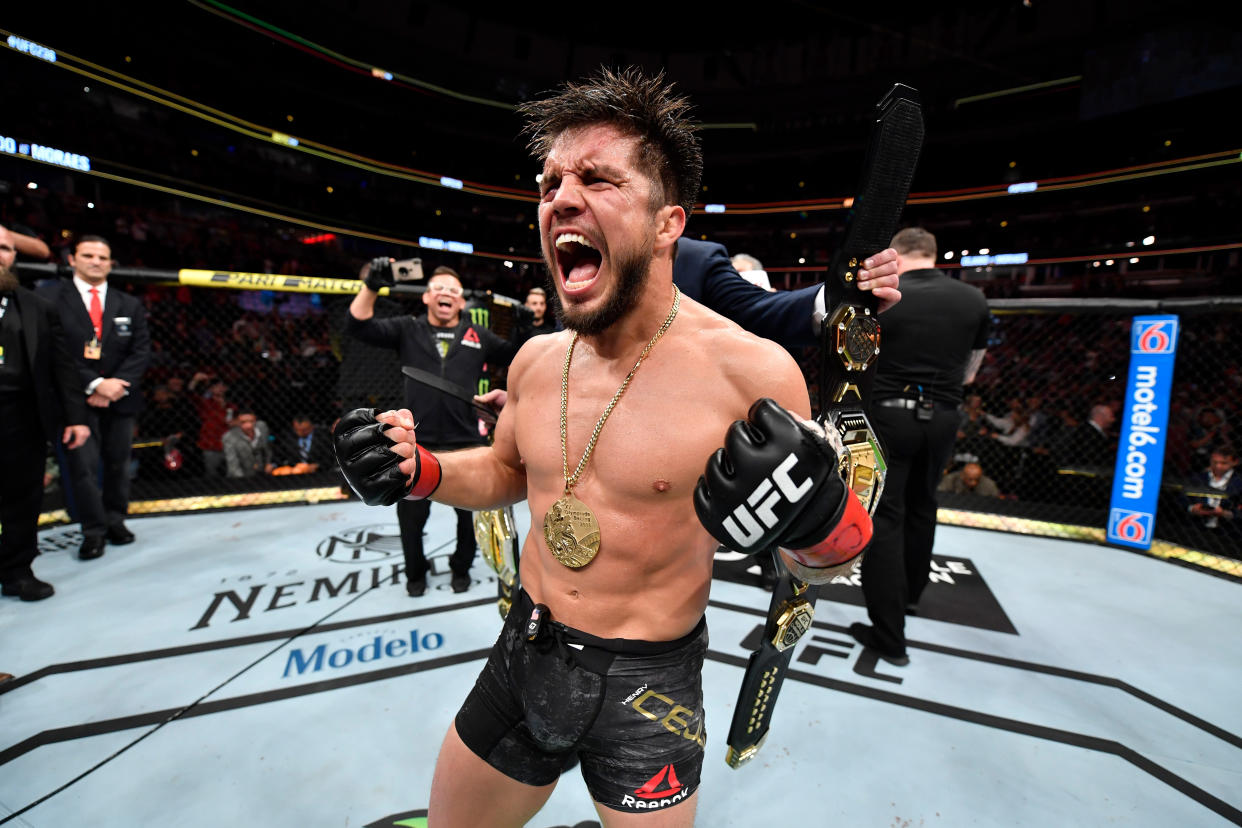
[{"x": 1144, "y": 427}]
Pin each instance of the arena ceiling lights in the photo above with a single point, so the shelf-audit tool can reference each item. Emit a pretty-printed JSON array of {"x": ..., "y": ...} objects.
[{"x": 266, "y": 134}]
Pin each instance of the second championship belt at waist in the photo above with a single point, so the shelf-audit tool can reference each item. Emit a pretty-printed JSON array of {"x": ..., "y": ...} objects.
[{"x": 850, "y": 339}]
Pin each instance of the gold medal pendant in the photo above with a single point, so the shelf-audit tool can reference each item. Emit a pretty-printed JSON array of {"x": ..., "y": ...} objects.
[
  {"x": 571, "y": 531},
  {"x": 570, "y": 528}
]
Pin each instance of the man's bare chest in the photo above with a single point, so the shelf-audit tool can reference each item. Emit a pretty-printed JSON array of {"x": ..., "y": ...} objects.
[{"x": 652, "y": 446}]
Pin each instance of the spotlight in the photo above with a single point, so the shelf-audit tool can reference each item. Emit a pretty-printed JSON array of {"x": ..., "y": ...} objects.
[{"x": 1148, "y": 241}]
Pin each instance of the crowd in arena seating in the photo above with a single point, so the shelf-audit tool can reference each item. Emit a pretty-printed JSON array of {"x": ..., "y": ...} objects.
[{"x": 216, "y": 353}]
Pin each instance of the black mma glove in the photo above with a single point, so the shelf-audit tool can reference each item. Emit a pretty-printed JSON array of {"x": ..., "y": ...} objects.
[
  {"x": 380, "y": 274},
  {"x": 776, "y": 482},
  {"x": 371, "y": 467}
]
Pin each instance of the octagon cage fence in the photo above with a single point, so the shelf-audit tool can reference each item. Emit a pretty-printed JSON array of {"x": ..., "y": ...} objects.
[{"x": 226, "y": 342}]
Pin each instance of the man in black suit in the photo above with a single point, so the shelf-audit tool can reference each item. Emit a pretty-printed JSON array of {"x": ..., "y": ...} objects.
[
  {"x": 38, "y": 394},
  {"x": 1086, "y": 456},
  {"x": 304, "y": 443},
  {"x": 107, "y": 333},
  {"x": 1090, "y": 445},
  {"x": 703, "y": 271}
]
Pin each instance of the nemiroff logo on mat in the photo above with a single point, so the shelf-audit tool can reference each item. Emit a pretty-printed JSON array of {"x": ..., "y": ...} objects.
[
  {"x": 373, "y": 559},
  {"x": 361, "y": 544}
]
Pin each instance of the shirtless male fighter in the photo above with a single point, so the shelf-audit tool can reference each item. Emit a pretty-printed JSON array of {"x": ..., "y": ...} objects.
[{"x": 606, "y": 434}]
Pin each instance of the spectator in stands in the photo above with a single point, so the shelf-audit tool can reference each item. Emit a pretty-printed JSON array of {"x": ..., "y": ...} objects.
[
  {"x": 1217, "y": 514},
  {"x": 1041, "y": 425},
  {"x": 1085, "y": 457},
  {"x": 971, "y": 431},
  {"x": 304, "y": 447},
  {"x": 215, "y": 414},
  {"x": 1209, "y": 430},
  {"x": 1005, "y": 424},
  {"x": 751, "y": 269},
  {"x": 1019, "y": 429},
  {"x": 247, "y": 446},
  {"x": 173, "y": 421},
  {"x": 969, "y": 479},
  {"x": 537, "y": 303},
  {"x": 1090, "y": 445}
]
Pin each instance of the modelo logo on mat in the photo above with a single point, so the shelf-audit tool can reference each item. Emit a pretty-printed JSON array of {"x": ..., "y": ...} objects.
[
  {"x": 1144, "y": 427},
  {"x": 377, "y": 648}
]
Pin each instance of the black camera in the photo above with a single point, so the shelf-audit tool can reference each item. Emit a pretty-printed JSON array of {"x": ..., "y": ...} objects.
[{"x": 407, "y": 270}]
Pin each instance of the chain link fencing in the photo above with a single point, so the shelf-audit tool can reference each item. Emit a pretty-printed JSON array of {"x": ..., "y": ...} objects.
[
  {"x": 1028, "y": 457},
  {"x": 1051, "y": 366},
  {"x": 280, "y": 353}
]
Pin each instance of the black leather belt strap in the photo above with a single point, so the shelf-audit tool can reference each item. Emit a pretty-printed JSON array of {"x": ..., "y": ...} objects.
[
  {"x": 445, "y": 387},
  {"x": 851, "y": 342},
  {"x": 494, "y": 529},
  {"x": 897, "y": 402}
]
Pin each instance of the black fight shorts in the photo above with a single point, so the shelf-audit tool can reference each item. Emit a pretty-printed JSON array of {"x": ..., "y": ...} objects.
[{"x": 632, "y": 711}]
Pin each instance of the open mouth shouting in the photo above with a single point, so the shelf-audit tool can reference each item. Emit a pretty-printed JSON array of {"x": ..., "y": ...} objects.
[{"x": 577, "y": 260}]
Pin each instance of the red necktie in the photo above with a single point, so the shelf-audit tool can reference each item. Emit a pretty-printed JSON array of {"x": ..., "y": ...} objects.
[{"x": 96, "y": 313}]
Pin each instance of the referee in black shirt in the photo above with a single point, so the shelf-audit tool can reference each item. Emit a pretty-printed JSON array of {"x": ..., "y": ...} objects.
[{"x": 933, "y": 343}]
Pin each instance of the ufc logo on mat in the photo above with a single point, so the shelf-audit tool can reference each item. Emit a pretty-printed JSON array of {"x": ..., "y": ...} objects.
[{"x": 770, "y": 491}]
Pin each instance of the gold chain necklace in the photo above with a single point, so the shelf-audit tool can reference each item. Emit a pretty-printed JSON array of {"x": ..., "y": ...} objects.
[{"x": 570, "y": 527}]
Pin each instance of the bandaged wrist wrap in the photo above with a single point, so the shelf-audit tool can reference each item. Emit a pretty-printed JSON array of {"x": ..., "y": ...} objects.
[
  {"x": 836, "y": 553},
  {"x": 426, "y": 475}
]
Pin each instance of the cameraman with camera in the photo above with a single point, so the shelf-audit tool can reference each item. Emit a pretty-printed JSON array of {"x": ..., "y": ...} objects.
[{"x": 444, "y": 342}]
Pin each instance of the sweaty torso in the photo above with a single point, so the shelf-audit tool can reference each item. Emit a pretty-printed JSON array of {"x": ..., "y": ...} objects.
[{"x": 651, "y": 577}]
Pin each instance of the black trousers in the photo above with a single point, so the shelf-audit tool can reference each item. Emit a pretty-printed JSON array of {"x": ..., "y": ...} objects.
[
  {"x": 412, "y": 517},
  {"x": 99, "y": 471},
  {"x": 896, "y": 566},
  {"x": 23, "y": 449}
]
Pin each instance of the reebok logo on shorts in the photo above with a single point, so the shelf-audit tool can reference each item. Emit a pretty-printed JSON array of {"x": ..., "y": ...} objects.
[{"x": 659, "y": 791}]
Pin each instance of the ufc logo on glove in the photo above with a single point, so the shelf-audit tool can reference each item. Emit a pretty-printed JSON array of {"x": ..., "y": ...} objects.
[{"x": 762, "y": 500}]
